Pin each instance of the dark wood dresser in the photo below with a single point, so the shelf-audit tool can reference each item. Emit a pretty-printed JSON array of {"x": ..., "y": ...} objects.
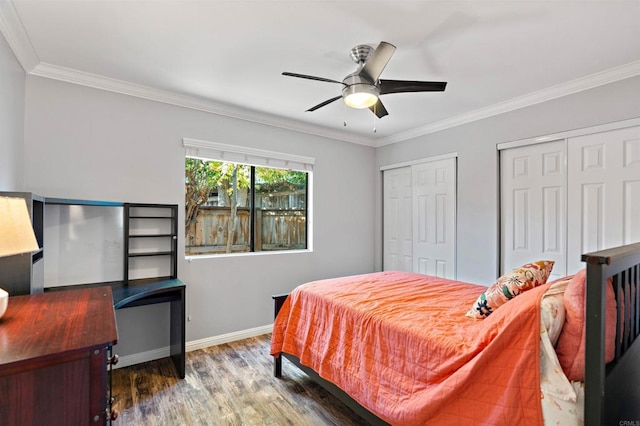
[{"x": 54, "y": 353}]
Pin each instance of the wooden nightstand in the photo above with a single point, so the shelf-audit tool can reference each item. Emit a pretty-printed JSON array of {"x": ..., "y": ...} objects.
[{"x": 54, "y": 353}]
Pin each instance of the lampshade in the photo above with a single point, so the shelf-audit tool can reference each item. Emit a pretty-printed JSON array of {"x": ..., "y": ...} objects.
[
  {"x": 360, "y": 95},
  {"x": 16, "y": 231}
]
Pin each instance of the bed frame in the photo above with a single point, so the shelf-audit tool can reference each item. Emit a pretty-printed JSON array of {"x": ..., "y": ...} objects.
[{"x": 612, "y": 391}]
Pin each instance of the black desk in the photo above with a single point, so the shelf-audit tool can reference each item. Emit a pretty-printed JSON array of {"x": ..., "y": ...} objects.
[{"x": 147, "y": 292}]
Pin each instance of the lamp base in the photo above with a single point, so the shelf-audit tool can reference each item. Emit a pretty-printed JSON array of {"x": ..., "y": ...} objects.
[{"x": 4, "y": 302}]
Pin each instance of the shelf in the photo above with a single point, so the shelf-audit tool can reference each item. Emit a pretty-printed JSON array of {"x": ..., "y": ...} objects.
[
  {"x": 151, "y": 231},
  {"x": 73, "y": 202},
  {"x": 152, "y": 253},
  {"x": 125, "y": 296},
  {"x": 37, "y": 255},
  {"x": 150, "y": 217},
  {"x": 152, "y": 235},
  {"x": 150, "y": 205}
]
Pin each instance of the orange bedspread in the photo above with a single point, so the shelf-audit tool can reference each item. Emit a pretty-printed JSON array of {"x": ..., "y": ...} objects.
[{"x": 400, "y": 344}]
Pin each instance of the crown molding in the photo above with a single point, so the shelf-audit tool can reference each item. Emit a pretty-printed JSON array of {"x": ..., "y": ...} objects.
[
  {"x": 13, "y": 31},
  {"x": 70, "y": 75},
  {"x": 612, "y": 75}
]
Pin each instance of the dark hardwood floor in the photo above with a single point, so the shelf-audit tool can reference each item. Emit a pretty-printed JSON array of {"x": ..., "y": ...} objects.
[{"x": 229, "y": 384}]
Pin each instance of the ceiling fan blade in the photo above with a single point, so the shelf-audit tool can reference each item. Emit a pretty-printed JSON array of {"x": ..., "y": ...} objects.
[
  {"x": 378, "y": 60},
  {"x": 379, "y": 109},
  {"x": 403, "y": 86},
  {"x": 311, "y": 77},
  {"x": 327, "y": 102}
]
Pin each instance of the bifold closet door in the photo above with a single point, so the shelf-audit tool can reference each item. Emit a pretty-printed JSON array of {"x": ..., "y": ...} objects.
[
  {"x": 397, "y": 220},
  {"x": 434, "y": 218},
  {"x": 419, "y": 218},
  {"x": 604, "y": 192},
  {"x": 533, "y": 206}
]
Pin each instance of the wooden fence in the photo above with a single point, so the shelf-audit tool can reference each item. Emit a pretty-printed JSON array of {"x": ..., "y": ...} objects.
[{"x": 278, "y": 230}]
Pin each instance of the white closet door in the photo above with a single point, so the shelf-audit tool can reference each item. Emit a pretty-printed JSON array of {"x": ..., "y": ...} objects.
[
  {"x": 434, "y": 215},
  {"x": 533, "y": 206},
  {"x": 397, "y": 226},
  {"x": 604, "y": 192}
]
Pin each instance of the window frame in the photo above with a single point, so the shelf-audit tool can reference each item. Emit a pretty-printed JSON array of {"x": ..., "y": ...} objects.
[{"x": 253, "y": 157}]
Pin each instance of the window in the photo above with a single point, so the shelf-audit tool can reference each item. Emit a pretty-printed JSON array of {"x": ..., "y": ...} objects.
[{"x": 235, "y": 207}]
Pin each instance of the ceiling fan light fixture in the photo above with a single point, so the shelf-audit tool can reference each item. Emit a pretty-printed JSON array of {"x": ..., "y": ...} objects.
[
  {"x": 360, "y": 95},
  {"x": 363, "y": 87}
]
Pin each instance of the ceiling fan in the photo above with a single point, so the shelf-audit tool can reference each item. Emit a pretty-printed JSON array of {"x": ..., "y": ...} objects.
[{"x": 363, "y": 87}]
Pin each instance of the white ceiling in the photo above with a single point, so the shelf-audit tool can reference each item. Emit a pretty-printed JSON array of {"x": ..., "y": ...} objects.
[{"x": 227, "y": 56}]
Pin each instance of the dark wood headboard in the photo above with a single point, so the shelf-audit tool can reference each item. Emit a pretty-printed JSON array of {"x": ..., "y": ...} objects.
[{"x": 612, "y": 391}]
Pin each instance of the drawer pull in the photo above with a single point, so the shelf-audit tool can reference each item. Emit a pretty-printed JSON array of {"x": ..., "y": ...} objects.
[{"x": 114, "y": 359}]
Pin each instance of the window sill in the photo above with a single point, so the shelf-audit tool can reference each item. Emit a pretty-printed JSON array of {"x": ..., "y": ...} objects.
[{"x": 190, "y": 258}]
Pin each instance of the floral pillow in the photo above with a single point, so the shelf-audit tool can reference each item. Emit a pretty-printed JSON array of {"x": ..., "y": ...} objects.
[{"x": 509, "y": 286}]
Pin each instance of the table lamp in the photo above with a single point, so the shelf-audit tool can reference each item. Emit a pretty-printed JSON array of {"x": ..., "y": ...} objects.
[{"x": 16, "y": 235}]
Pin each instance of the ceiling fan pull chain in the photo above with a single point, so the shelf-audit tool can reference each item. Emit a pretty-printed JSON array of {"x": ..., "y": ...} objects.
[
  {"x": 344, "y": 121},
  {"x": 375, "y": 115}
]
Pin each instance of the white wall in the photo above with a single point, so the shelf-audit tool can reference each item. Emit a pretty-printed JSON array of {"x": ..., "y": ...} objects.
[
  {"x": 90, "y": 144},
  {"x": 12, "y": 82},
  {"x": 475, "y": 143},
  {"x": 85, "y": 143}
]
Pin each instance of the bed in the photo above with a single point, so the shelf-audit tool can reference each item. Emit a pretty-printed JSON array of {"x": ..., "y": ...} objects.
[{"x": 485, "y": 370}]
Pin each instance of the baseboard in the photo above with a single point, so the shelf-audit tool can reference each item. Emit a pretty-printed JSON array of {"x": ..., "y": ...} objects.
[
  {"x": 140, "y": 357},
  {"x": 229, "y": 337},
  {"x": 137, "y": 358}
]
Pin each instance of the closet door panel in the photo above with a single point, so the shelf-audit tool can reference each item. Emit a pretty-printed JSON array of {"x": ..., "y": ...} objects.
[
  {"x": 434, "y": 198},
  {"x": 604, "y": 192},
  {"x": 533, "y": 206},
  {"x": 398, "y": 220},
  {"x": 521, "y": 221},
  {"x": 592, "y": 220},
  {"x": 552, "y": 219},
  {"x": 631, "y": 186},
  {"x": 631, "y": 227}
]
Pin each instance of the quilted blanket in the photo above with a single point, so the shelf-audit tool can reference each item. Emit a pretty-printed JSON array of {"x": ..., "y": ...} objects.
[{"x": 401, "y": 346}]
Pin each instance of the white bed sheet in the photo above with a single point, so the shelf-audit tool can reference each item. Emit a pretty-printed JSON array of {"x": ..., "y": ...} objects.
[{"x": 562, "y": 400}]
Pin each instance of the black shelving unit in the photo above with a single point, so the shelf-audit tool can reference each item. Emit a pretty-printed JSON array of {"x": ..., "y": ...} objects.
[
  {"x": 23, "y": 274},
  {"x": 151, "y": 236}
]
